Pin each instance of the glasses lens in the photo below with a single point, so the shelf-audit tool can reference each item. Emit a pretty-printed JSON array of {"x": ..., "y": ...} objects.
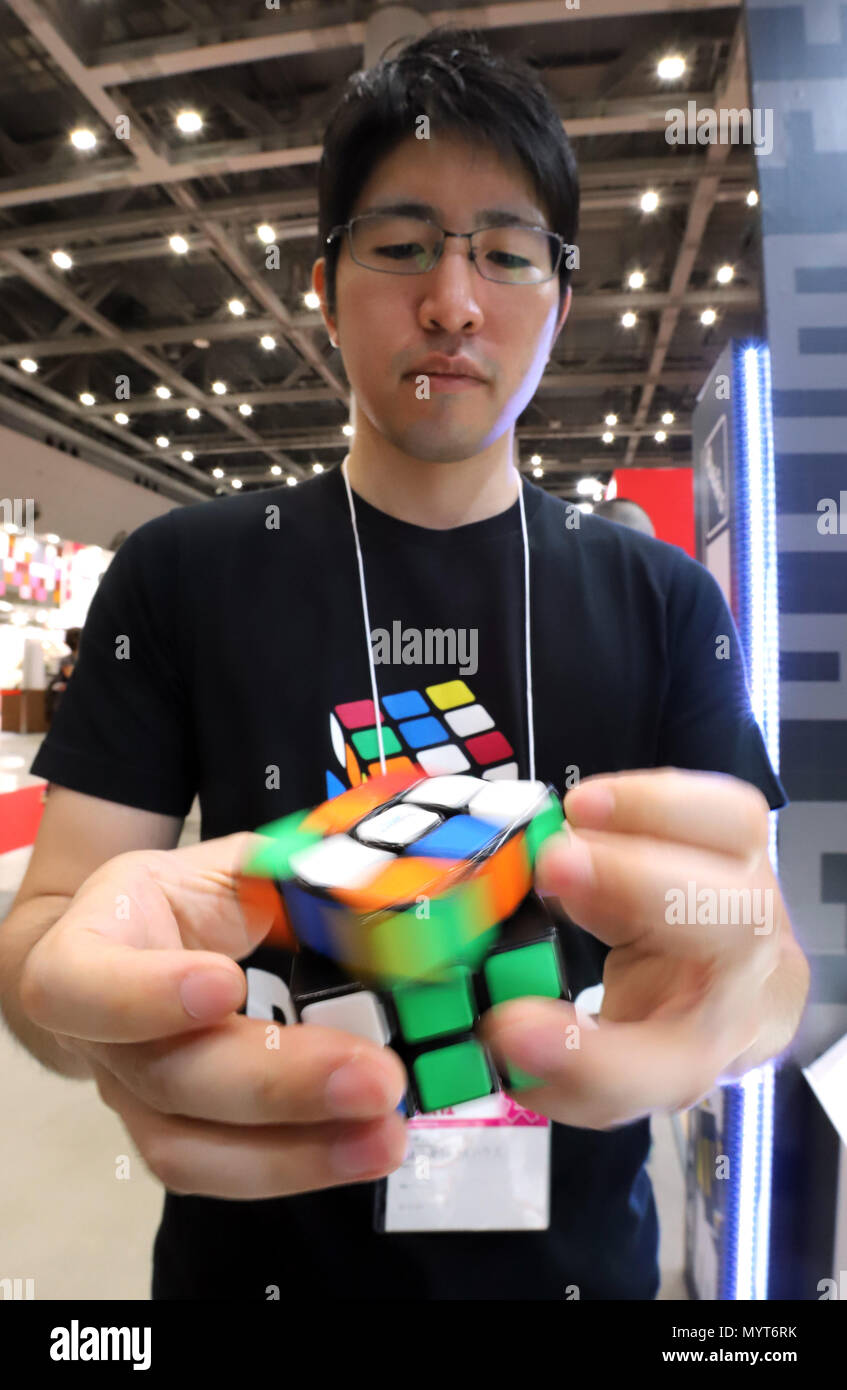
[
  {"x": 403, "y": 245},
  {"x": 515, "y": 255}
]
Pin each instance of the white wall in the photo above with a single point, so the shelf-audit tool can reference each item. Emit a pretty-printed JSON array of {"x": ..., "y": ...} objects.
[{"x": 78, "y": 501}]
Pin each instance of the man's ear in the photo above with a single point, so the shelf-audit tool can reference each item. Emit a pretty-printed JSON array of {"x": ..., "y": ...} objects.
[{"x": 319, "y": 287}]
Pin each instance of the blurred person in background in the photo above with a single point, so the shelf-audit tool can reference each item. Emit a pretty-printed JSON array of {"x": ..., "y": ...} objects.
[
  {"x": 626, "y": 513},
  {"x": 59, "y": 684}
]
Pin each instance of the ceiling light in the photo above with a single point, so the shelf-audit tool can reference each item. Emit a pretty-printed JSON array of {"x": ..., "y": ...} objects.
[
  {"x": 660, "y": 436},
  {"x": 193, "y": 413},
  {"x": 236, "y": 307},
  {"x": 86, "y": 398},
  {"x": 62, "y": 260},
  {"x": 189, "y": 122},
  {"x": 584, "y": 507},
  {"x": 83, "y": 139},
  {"x": 636, "y": 280},
  {"x": 163, "y": 392},
  {"x": 611, "y": 419},
  {"x": 312, "y": 300},
  {"x": 217, "y": 473},
  {"x": 668, "y": 417},
  {"x": 187, "y": 455},
  {"x": 538, "y": 472},
  {"x": 245, "y": 409},
  {"x": 53, "y": 538},
  {"x": 178, "y": 243},
  {"x": 201, "y": 342},
  {"x": 347, "y": 429},
  {"x": 586, "y": 486},
  {"x": 219, "y": 388},
  {"x": 122, "y": 418},
  {"x": 535, "y": 459},
  {"x": 266, "y": 233},
  {"x": 275, "y": 469},
  {"x": 28, "y": 364},
  {"x": 752, "y": 198},
  {"x": 291, "y": 480},
  {"x": 317, "y": 468},
  {"x": 608, "y": 437},
  {"x": 162, "y": 441},
  {"x": 724, "y": 274},
  {"x": 236, "y": 482},
  {"x": 629, "y": 320},
  {"x": 649, "y": 201},
  {"x": 267, "y": 342},
  {"x": 708, "y": 316},
  {"x": 671, "y": 68}
]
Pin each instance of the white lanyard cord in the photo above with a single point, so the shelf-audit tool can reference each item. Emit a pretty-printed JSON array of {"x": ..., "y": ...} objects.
[{"x": 366, "y": 616}]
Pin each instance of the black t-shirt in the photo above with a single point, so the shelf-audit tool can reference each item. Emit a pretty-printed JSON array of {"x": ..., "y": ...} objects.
[{"x": 246, "y": 681}]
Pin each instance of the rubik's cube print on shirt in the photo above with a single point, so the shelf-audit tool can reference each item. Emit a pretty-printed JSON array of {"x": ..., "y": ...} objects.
[
  {"x": 442, "y": 728},
  {"x": 408, "y": 902}
]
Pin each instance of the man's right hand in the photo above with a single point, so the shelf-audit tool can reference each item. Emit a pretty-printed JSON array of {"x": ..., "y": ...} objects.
[{"x": 139, "y": 976}]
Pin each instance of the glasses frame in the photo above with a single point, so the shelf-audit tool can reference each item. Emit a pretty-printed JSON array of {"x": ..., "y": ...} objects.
[{"x": 439, "y": 251}]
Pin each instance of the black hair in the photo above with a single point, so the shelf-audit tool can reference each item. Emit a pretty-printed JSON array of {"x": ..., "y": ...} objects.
[{"x": 451, "y": 76}]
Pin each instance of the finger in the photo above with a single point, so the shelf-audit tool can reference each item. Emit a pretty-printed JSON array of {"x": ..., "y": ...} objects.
[
  {"x": 230, "y": 1075},
  {"x": 77, "y": 982},
  {"x": 193, "y": 1156},
  {"x": 596, "y": 1078},
  {"x": 690, "y": 901},
  {"x": 708, "y": 809}
]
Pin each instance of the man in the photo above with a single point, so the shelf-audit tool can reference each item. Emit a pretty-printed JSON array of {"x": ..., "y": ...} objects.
[{"x": 237, "y": 648}]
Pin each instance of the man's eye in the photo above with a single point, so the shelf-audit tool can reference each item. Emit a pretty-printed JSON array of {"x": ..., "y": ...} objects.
[
  {"x": 400, "y": 250},
  {"x": 508, "y": 260}
]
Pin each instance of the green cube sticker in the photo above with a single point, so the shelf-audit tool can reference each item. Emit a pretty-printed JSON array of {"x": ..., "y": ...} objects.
[
  {"x": 544, "y": 824},
  {"x": 366, "y": 743},
  {"x": 451, "y": 1075},
  {"x": 525, "y": 970},
  {"x": 282, "y": 838},
  {"x": 429, "y": 1010}
]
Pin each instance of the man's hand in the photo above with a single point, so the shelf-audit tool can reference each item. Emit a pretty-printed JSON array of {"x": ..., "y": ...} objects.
[
  {"x": 139, "y": 976},
  {"x": 704, "y": 978}
]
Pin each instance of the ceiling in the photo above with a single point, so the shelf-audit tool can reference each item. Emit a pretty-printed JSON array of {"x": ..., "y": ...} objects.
[{"x": 264, "y": 80}]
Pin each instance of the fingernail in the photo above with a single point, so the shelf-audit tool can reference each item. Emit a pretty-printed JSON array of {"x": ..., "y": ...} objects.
[
  {"x": 208, "y": 994},
  {"x": 535, "y": 1051},
  {"x": 352, "y": 1157},
  {"x": 590, "y": 806},
  {"x": 354, "y": 1092},
  {"x": 569, "y": 865}
]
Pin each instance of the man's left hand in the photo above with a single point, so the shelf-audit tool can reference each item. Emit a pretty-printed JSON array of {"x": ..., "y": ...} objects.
[{"x": 704, "y": 978}]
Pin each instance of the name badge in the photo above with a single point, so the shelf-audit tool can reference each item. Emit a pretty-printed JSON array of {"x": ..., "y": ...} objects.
[{"x": 480, "y": 1166}]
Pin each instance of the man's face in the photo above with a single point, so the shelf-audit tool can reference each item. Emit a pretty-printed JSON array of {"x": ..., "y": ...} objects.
[{"x": 385, "y": 325}]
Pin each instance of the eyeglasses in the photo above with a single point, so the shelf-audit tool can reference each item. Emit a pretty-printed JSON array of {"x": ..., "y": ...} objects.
[{"x": 396, "y": 245}]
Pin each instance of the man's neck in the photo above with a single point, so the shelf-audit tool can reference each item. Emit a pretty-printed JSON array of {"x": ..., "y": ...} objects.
[{"x": 435, "y": 495}]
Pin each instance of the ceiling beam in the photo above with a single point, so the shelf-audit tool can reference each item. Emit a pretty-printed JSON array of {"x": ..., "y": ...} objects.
[
  {"x": 295, "y": 212},
  {"x": 166, "y": 56},
  {"x": 734, "y": 94},
  {"x": 599, "y": 305},
  {"x": 150, "y": 163}
]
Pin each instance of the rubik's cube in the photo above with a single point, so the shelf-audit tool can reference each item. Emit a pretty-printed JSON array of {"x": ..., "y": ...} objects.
[
  {"x": 408, "y": 904},
  {"x": 441, "y": 728}
]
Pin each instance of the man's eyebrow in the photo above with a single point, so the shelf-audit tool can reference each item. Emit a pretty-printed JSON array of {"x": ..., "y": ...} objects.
[{"x": 486, "y": 217}]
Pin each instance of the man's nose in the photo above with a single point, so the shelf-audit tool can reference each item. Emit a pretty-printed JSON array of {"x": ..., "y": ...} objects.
[{"x": 450, "y": 294}]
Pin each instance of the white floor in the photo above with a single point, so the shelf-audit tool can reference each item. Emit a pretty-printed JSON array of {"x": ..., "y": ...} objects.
[{"x": 70, "y": 1224}]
